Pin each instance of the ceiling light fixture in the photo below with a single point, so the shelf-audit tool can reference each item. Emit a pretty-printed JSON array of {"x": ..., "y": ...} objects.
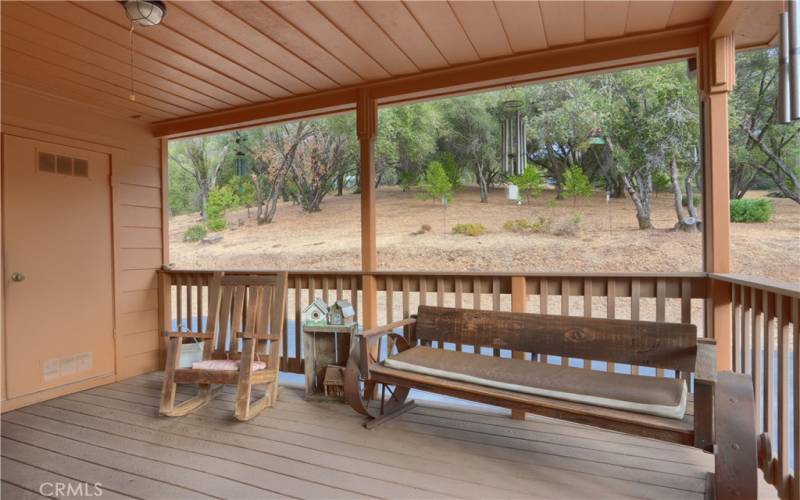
[{"x": 143, "y": 13}]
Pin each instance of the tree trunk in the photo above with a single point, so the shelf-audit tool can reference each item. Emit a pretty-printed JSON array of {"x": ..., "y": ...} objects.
[
  {"x": 689, "y": 183},
  {"x": 640, "y": 200},
  {"x": 484, "y": 188},
  {"x": 340, "y": 185},
  {"x": 684, "y": 224}
]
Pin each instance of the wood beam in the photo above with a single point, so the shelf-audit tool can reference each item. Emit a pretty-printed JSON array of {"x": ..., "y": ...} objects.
[
  {"x": 727, "y": 17},
  {"x": 716, "y": 78},
  {"x": 534, "y": 66},
  {"x": 366, "y": 125}
]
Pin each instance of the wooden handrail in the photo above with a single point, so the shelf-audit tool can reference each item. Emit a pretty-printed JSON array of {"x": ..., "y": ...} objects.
[{"x": 766, "y": 284}]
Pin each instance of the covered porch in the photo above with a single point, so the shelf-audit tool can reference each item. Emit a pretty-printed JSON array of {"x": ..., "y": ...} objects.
[{"x": 215, "y": 67}]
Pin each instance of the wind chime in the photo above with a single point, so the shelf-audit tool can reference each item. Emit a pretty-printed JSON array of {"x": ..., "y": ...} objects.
[
  {"x": 789, "y": 65},
  {"x": 513, "y": 132}
]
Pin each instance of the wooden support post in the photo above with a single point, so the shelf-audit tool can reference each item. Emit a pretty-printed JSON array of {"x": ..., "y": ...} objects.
[
  {"x": 366, "y": 121},
  {"x": 716, "y": 78},
  {"x": 164, "y": 313},
  {"x": 519, "y": 302}
]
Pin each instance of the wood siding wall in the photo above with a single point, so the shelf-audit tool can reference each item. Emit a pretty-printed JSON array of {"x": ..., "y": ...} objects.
[{"x": 136, "y": 205}]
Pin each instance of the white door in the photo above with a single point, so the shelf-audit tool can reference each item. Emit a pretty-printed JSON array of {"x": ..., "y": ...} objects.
[{"x": 58, "y": 265}]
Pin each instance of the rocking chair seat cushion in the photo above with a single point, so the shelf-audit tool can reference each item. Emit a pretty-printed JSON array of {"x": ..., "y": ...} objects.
[
  {"x": 662, "y": 397},
  {"x": 228, "y": 365}
]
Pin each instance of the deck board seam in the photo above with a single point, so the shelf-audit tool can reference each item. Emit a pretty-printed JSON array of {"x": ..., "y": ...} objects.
[
  {"x": 468, "y": 432},
  {"x": 623, "y": 441},
  {"x": 116, "y": 450},
  {"x": 573, "y": 471},
  {"x": 299, "y": 478},
  {"x": 65, "y": 475}
]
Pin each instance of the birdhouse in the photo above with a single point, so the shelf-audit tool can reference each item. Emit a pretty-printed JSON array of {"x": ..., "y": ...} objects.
[
  {"x": 316, "y": 313},
  {"x": 341, "y": 313},
  {"x": 333, "y": 383}
]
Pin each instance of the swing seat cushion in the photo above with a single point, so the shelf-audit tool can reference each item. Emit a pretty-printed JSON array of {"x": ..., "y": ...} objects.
[
  {"x": 662, "y": 397},
  {"x": 228, "y": 365}
]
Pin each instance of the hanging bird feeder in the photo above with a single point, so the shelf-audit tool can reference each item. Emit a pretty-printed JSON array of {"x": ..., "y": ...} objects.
[{"x": 513, "y": 134}]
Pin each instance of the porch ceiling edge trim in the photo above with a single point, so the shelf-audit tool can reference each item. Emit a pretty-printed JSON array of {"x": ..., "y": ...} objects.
[{"x": 550, "y": 64}]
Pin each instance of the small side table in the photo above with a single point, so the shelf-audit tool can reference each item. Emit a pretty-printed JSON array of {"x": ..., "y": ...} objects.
[{"x": 320, "y": 350}]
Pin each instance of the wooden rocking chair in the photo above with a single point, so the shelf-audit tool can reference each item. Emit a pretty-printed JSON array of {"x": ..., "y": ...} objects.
[{"x": 260, "y": 303}]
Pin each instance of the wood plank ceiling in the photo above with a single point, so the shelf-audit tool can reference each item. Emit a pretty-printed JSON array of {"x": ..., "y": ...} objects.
[{"x": 209, "y": 56}]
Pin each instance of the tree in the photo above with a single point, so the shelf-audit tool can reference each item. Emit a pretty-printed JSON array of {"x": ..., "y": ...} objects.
[
  {"x": 220, "y": 200},
  {"x": 435, "y": 184},
  {"x": 245, "y": 191},
  {"x": 320, "y": 159},
  {"x": 406, "y": 140},
  {"x": 201, "y": 158},
  {"x": 761, "y": 148},
  {"x": 471, "y": 135},
  {"x": 576, "y": 184},
  {"x": 563, "y": 117},
  {"x": 530, "y": 183},
  {"x": 650, "y": 119},
  {"x": 274, "y": 155}
]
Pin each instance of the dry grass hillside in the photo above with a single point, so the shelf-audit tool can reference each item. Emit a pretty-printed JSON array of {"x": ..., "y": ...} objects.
[{"x": 607, "y": 238}]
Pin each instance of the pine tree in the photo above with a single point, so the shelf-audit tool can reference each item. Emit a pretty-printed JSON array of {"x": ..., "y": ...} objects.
[
  {"x": 576, "y": 184},
  {"x": 436, "y": 185}
]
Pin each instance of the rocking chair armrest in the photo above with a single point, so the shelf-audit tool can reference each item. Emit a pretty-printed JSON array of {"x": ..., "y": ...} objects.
[
  {"x": 186, "y": 335},
  {"x": 385, "y": 329},
  {"x": 705, "y": 370}
]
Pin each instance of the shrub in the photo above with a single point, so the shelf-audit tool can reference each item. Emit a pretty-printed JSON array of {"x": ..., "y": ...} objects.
[
  {"x": 576, "y": 184},
  {"x": 530, "y": 183},
  {"x": 696, "y": 199},
  {"x": 568, "y": 227},
  {"x": 452, "y": 169},
  {"x": 220, "y": 200},
  {"x": 469, "y": 229},
  {"x": 751, "y": 210},
  {"x": 661, "y": 182},
  {"x": 526, "y": 226},
  {"x": 195, "y": 233},
  {"x": 436, "y": 185},
  {"x": 217, "y": 224}
]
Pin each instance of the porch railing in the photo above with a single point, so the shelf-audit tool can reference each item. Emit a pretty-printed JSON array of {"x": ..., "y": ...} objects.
[
  {"x": 765, "y": 324},
  {"x": 766, "y": 346}
]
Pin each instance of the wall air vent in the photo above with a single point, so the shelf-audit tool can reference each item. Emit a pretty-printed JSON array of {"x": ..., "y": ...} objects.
[
  {"x": 47, "y": 162},
  {"x": 64, "y": 165}
]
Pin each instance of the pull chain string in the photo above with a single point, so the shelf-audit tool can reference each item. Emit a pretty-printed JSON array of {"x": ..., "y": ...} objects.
[{"x": 133, "y": 93}]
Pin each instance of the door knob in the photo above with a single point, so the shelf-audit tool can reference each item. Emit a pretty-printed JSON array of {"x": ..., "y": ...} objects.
[{"x": 17, "y": 277}]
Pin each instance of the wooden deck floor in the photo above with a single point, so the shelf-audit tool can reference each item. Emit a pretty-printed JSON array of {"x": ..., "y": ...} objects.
[{"x": 112, "y": 435}]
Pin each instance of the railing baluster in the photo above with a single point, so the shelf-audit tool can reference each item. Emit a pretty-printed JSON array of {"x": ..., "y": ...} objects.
[
  {"x": 298, "y": 325},
  {"x": 661, "y": 309},
  {"x": 784, "y": 410},
  {"x": 737, "y": 328},
  {"x": 587, "y": 312},
  {"x": 757, "y": 343},
  {"x": 496, "y": 305},
  {"x": 564, "y": 311},
  {"x": 458, "y": 286},
  {"x": 635, "y": 297},
  {"x": 611, "y": 311},
  {"x": 686, "y": 312},
  {"x": 745, "y": 325},
  {"x": 796, "y": 384},
  {"x": 769, "y": 367}
]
